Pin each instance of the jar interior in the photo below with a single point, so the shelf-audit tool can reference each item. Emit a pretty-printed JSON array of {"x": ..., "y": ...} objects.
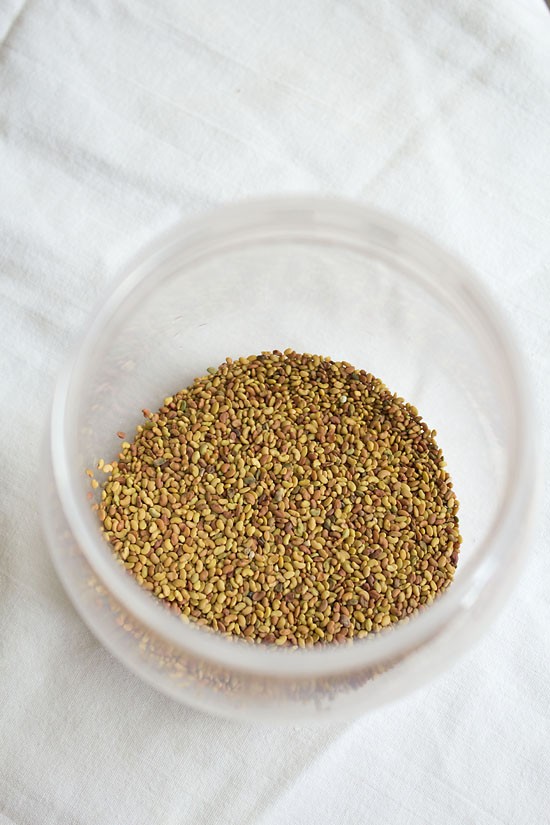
[{"x": 402, "y": 317}]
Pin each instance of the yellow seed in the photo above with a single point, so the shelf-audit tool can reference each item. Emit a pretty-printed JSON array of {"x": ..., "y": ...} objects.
[{"x": 295, "y": 498}]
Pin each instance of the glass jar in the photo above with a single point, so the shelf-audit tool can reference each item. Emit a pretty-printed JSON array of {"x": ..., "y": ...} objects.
[{"x": 322, "y": 276}]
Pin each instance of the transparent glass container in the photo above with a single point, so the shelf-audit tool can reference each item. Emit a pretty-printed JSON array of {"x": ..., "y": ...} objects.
[{"x": 321, "y": 276}]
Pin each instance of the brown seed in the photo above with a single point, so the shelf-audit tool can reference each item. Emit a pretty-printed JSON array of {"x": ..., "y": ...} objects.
[{"x": 284, "y": 498}]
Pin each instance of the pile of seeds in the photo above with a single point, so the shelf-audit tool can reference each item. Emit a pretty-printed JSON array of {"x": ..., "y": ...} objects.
[{"x": 284, "y": 498}]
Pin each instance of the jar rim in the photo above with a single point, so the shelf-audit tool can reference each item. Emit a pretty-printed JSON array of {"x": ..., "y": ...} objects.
[{"x": 315, "y": 220}]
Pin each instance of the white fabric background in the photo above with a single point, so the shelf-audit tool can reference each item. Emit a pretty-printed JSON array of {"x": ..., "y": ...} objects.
[{"x": 116, "y": 118}]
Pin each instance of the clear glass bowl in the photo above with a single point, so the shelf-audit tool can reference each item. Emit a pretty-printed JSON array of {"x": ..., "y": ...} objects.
[{"x": 321, "y": 276}]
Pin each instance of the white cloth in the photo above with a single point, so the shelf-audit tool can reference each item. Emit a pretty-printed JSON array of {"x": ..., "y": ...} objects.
[{"x": 117, "y": 117}]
